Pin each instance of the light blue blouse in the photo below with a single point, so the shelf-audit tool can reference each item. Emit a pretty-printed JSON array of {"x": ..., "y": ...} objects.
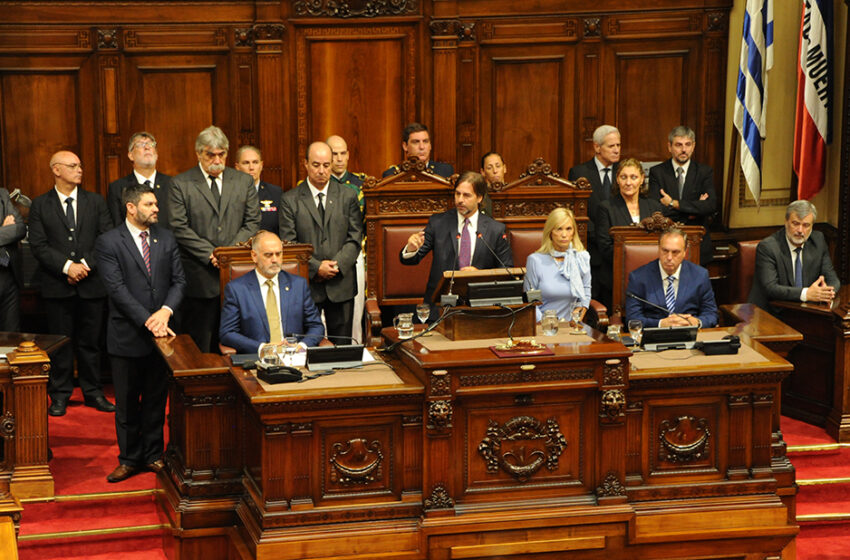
[{"x": 562, "y": 285}]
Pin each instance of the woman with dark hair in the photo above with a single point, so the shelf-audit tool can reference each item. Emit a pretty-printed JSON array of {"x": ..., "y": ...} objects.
[{"x": 560, "y": 268}]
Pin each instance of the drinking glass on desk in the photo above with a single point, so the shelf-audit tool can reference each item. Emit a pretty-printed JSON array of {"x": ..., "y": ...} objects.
[
  {"x": 636, "y": 330},
  {"x": 269, "y": 356},
  {"x": 403, "y": 322},
  {"x": 290, "y": 347},
  {"x": 549, "y": 323},
  {"x": 575, "y": 319},
  {"x": 423, "y": 311}
]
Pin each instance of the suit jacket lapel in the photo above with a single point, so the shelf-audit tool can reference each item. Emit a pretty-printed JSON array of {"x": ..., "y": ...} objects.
[
  {"x": 60, "y": 210},
  {"x": 480, "y": 248},
  {"x": 133, "y": 250},
  {"x": 307, "y": 200},
  {"x": 204, "y": 188},
  {"x": 226, "y": 194},
  {"x": 657, "y": 287},
  {"x": 285, "y": 303},
  {"x": 257, "y": 297},
  {"x": 331, "y": 201}
]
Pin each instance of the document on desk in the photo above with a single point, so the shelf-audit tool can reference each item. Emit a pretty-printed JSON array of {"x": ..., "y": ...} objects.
[{"x": 4, "y": 350}]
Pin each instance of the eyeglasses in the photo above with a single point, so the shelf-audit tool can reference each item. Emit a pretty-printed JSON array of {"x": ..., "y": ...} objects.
[
  {"x": 71, "y": 165},
  {"x": 143, "y": 145}
]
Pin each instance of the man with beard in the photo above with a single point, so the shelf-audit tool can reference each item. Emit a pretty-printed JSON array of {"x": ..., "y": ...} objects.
[
  {"x": 211, "y": 206},
  {"x": 269, "y": 304},
  {"x": 142, "y": 152},
  {"x": 793, "y": 264},
  {"x": 141, "y": 269},
  {"x": 453, "y": 235}
]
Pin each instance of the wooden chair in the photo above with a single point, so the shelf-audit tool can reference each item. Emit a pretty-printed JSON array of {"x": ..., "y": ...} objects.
[
  {"x": 236, "y": 260},
  {"x": 744, "y": 270},
  {"x": 636, "y": 245}
]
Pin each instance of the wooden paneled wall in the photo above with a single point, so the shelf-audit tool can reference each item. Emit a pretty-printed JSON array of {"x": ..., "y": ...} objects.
[{"x": 529, "y": 79}]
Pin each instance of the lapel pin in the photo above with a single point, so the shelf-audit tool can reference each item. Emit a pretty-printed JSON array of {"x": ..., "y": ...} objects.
[{"x": 286, "y": 289}]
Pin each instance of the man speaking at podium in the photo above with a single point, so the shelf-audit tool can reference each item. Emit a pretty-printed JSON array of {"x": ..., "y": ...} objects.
[
  {"x": 462, "y": 238},
  {"x": 676, "y": 292}
]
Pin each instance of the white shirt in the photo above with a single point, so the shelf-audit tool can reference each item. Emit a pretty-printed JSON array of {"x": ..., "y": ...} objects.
[
  {"x": 218, "y": 180},
  {"x": 685, "y": 166},
  {"x": 601, "y": 168},
  {"x": 62, "y": 198},
  {"x": 134, "y": 233},
  {"x": 315, "y": 193},
  {"x": 141, "y": 178},
  {"x": 676, "y": 277},
  {"x": 792, "y": 248}
]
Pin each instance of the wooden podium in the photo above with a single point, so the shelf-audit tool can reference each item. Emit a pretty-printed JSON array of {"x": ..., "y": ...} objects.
[{"x": 464, "y": 322}]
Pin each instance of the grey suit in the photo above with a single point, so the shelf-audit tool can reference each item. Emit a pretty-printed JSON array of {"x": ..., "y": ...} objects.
[
  {"x": 10, "y": 273},
  {"x": 199, "y": 227},
  {"x": 774, "y": 277},
  {"x": 337, "y": 238}
]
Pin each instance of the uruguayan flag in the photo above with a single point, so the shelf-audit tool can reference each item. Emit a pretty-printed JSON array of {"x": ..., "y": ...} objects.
[{"x": 751, "y": 99}]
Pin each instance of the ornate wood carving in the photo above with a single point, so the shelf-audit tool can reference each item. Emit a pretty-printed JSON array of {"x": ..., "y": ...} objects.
[
  {"x": 7, "y": 425},
  {"x": 354, "y": 8},
  {"x": 538, "y": 167},
  {"x": 356, "y": 461},
  {"x": 718, "y": 21},
  {"x": 439, "y": 498},
  {"x": 592, "y": 27},
  {"x": 464, "y": 30},
  {"x": 613, "y": 373},
  {"x": 439, "y": 415},
  {"x": 415, "y": 206},
  {"x": 107, "y": 38},
  {"x": 538, "y": 444},
  {"x": 684, "y": 440},
  {"x": 441, "y": 383},
  {"x": 612, "y": 405},
  {"x": 209, "y": 400},
  {"x": 611, "y": 487},
  {"x": 523, "y": 376}
]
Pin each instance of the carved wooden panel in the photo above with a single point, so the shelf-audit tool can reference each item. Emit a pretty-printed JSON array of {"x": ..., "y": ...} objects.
[
  {"x": 359, "y": 83},
  {"x": 685, "y": 439},
  {"x": 33, "y": 130},
  {"x": 359, "y": 460}
]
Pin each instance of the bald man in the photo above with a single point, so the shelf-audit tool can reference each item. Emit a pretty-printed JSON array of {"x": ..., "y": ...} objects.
[
  {"x": 63, "y": 225},
  {"x": 326, "y": 214}
]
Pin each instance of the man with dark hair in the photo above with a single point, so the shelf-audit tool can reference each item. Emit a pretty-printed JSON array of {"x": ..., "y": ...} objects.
[
  {"x": 793, "y": 264},
  {"x": 672, "y": 283},
  {"x": 250, "y": 160},
  {"x": 140, "y": 265},
  {"x": 685, "y": 187},
  {"x": 211, "y": 206},
  {"x": 141, "y": 150},
  {"x": 326, "y": 214},
  {"x": 287, "y": 306},
  {"x": 416, "y": 142},
  {"x": 63, "y": 225},
  {"x": 453, "y": 235}
]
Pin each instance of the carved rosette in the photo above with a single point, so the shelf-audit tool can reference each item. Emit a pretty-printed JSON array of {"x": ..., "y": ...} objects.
[
  {"x": 356, "y": 462},
  {"x": 538, "y": 167},
  {"x": 612, "y": 405},
  {"x": 613, "y": 373},
  {"x": 107, "y": 38},
  {"x": 592, "y": 27},
  {"x": 354, "y": 8},
  {"x": 684, "y": 440},
  {"x": 611, "y": 487},
  {"x": 534, "y": 444},
  {"x": 658, "y": 223},
  {"x": 441, "y": 383},
  {"x": 439, "y": 498},
  {"x": 7, "y": 425},
  {"x": 439, "y": 415}
]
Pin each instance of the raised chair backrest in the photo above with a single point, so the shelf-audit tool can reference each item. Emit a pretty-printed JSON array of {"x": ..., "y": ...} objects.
[{"x": 744, "y": 270}]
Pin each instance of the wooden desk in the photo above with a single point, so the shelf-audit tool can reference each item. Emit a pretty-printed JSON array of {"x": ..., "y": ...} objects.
[
  {"x": 467, "y": 455},
  {"x": 761, "y": 326}
]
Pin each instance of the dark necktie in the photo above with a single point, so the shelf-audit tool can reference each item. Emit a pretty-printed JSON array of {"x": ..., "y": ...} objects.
[
  {"x": 798, "y": 267},
  {"x": 69, "y": 213},
  {"x": 680, "y": 174},
  {"x": 148, "y": 183},
  {"x": 215, "y": 192},
  {"x": 465, "y": 256},
  {"x": 321, "y": 207},
  {"x": 606, "y": 184},
  {"x": 146, "y": 250},
  {"x": 670, "y": 295}
]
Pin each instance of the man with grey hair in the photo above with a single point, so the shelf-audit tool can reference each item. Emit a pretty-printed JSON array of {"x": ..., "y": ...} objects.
[
  {"x": 793, "y": 264},
  {"x": 141, "y": 150},
  {"x": 211, "y": 206},
  {"x": 600, "y": 171},
  {"x": 685, "y": 187},
  {"x": 249, "y": 160}
]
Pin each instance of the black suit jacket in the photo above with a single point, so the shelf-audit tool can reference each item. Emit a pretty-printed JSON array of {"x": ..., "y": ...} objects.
[
  {"x": 12, "y": 234},
  {"x": 269, "y": 196},
  {"x": 441, "y": 237},
  {"x": 118, "y": 211},
  {"x": 54, "y": 243},
  {"x": 612, "y": 213},
  {"x": 436, "y": 167},
  {"x": 774, "y": 277},
  {"x": 692, "y": 211},
  {"x": 133, "y": 293},
  {"x": 598, "y": 195},
  {"x": 337, "y": 238}
]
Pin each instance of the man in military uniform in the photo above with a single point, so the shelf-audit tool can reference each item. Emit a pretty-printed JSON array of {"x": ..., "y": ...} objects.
[
  {"x": 250, "y": 160},
  {"x": 416, "y": 141}
]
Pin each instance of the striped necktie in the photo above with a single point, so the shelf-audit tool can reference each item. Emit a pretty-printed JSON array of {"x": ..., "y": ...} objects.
[
  {"x": 670, "y": 295},
  {"x": 146, "y": 250}
]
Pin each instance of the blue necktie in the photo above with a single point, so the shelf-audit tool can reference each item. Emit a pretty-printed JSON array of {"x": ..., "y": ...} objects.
[
  {"x": 798, "y": 268},
  {"x": 670, "y": 295}
]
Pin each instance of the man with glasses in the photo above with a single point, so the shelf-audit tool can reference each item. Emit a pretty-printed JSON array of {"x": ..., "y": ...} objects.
[
  {"x": 142, "y": 152},
  {"x": 211, "y": 206},
  {"x": 63, "y": 225}
]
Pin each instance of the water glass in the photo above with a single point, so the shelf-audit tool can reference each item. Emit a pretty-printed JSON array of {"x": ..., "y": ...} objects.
[
  {"x": 423, "y": 311},
  {"x": 290, "y": 347},
  {"x": 575, "y": 319},
  {"x": 549, "y": 323},
  {"x": 636, "y": 330},
  {"x": 403, "y": 322},
  {"x": 614, "y": 332}
]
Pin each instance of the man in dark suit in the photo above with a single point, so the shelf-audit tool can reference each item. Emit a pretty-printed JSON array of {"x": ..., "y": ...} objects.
[
  {"x": 268, "y": 305},
  {"x": 249, "y": 160},
  {"x": 462, "y": 238},
  {"x": 211, "y": 206},
  {"x": 416, "y": 142},
  {"x": 63, "y": 225},
  {"x": 601, "y": 171},
  {"x": 679, "y": 286},
  {"x": 793, "y": 264},
  {"x": 142, "y": 152},
  {"x": 139, "y": 263},
  {"x": 12, "y": 230},
  {"x": 685, "y": 187},
  {"x": 326, "y": 214}
]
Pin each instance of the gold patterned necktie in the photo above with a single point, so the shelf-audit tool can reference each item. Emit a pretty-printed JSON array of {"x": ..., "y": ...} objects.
[{"x": 273, "y": 314}]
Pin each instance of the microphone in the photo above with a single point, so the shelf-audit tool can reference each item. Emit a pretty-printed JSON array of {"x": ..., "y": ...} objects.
[
  {"x": 493, "y": 252},
  {"x": 649, "y": 303},
  {"x": 449, "y": 299}
]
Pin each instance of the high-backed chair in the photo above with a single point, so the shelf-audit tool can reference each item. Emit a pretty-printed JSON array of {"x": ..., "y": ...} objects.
[
  {"x": 744, "y": 269},
  {"x": 636, "y": 245},
  {"x": 236, "y": 260}
]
